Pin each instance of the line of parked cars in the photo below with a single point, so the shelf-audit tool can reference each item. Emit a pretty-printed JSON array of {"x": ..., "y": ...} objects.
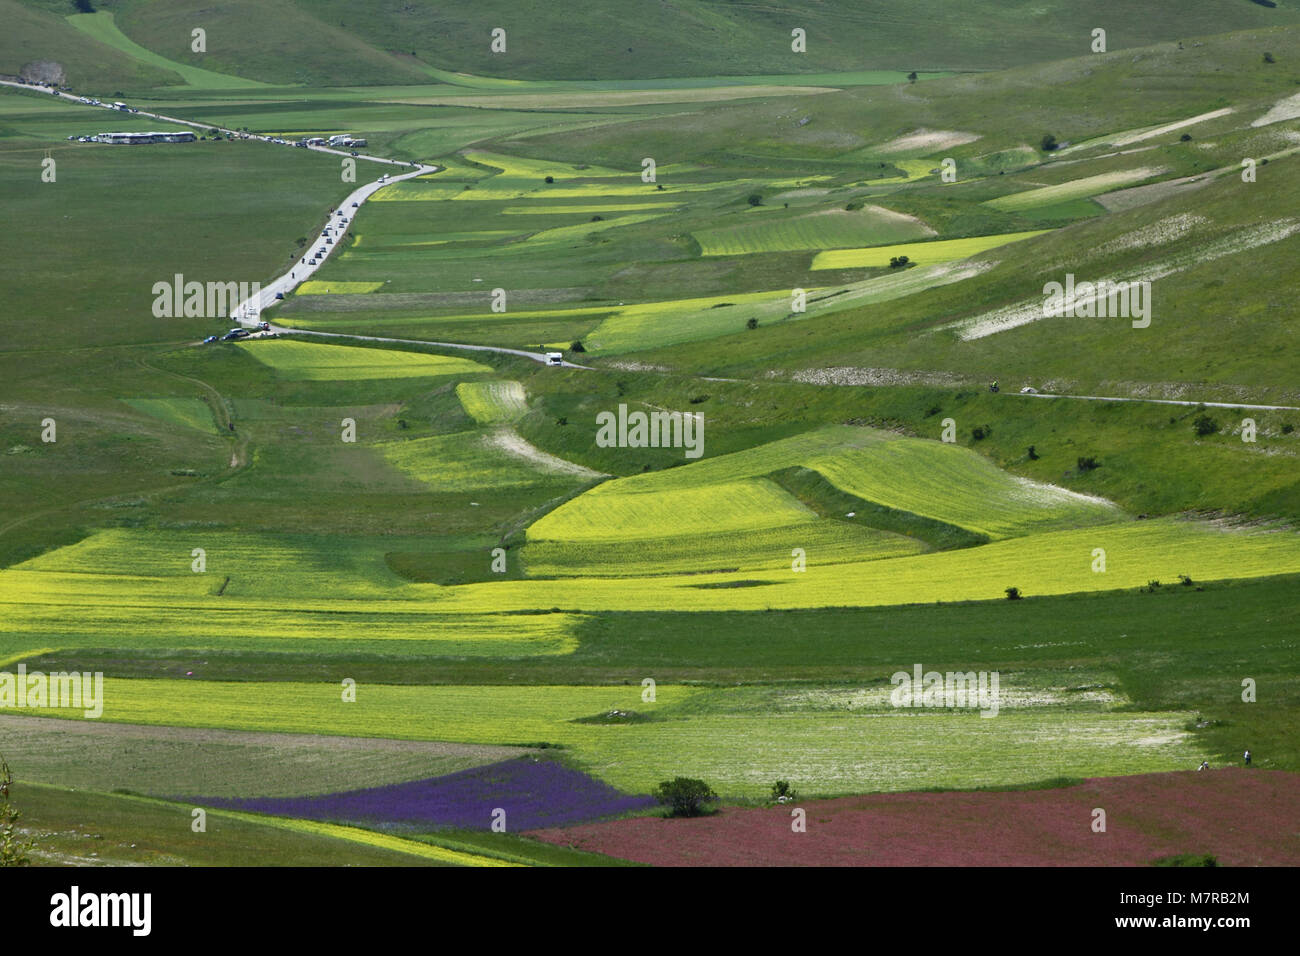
[{"x": 262, "y": 331}]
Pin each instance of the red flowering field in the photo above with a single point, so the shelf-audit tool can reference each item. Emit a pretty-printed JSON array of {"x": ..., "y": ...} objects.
[{"x": 1241, "y": 817}]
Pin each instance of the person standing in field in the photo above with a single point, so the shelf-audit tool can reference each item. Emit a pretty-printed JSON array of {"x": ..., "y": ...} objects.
[
  {"x": 1205, "y": 765},
  {"x": 1246, "y": 757}
]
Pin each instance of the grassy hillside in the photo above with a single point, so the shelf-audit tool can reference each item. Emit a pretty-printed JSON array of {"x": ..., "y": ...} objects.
[
  {"x": 385, "y": 42},
  {"x": 697, "y": 37},
  {"x": 34, "y": 32}
]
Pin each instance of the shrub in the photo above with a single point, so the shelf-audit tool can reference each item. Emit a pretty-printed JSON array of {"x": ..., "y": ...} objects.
[
  {"x": 911, "y": 77},
  {"x": 685, "y": 796},
  {"x": 1288, "y": 428},
  {"x": 13, "y": 849},
  {"x": 1152, "y": 587},
  {"x": 751, "y": 324},
  {"x": 1185, "y": 581},
  {"x": 597, "y": 218},
  {"x": 782, "y": 792},
  {"x": 1033, "y": 455},
  {"x": 1049, "y": 143},
  {"x": 577, "y": 347},
  {"x": 550, "y": 179},
  {"x": 562, "y": 421},
  {"x": 1088, "y": 464},
  {"x": 698, "y": 399},
  {"x": 1013, "y": 594},
  {"x": 1185, "y": 138},
  {"x": 855, "y": 205},
  {"x": 981, "y": 432},
  {"x": 1205, "y": 425},
  {"x": 1268, "y": 58},
  {"x": 755, "y": 199}
]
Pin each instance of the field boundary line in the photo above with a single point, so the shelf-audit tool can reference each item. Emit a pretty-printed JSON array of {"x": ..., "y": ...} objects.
[{"x": 1161, "y": 401}]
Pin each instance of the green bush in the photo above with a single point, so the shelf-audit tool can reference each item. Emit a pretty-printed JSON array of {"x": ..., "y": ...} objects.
[
  {"x": 685, "y": 796},
  {"x": 782, "y": 792}
]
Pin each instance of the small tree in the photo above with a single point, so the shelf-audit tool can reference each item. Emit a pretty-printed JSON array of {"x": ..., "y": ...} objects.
[
  {"x": 1013, "y": 594},
  {"x": 911, "y": 77},
  {"x": 13, "y": 849},
  {"x": 1088, "y": 464},
  {"x": 755, "y": 199},
  {"x": 782, "y": 792},
  {"x": 1268, "y": 58},
  {"x": 577, "y": 347},
  {"x": 550, "y": 179},
  {"x": 685, "y": 796},
  {"x": 1049, "y": 143},
  {"x": 1205, "y": 425},
  {"x": 751, "y": 323}
]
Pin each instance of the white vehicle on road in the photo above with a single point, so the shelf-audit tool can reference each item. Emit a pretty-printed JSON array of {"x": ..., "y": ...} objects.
[{"x": 555, "y": 358}]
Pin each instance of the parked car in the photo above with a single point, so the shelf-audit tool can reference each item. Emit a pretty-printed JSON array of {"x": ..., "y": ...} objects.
[
  {"x": 354, "y": 205},
  {"x": 279, "y": 295},
  {"x": 209, "y": 340}
]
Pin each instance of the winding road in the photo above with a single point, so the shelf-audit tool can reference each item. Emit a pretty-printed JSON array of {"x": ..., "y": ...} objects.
[{"x": 248, "y": 312}]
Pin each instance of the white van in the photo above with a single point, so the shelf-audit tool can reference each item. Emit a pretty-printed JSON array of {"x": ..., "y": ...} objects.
[{"x": 554, "y": 358}]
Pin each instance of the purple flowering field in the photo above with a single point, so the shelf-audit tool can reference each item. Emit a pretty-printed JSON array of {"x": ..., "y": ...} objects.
[{"x": 533, "y": 793}]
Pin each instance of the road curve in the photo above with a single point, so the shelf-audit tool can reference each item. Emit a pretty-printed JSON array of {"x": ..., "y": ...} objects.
[{"x": 249, "y": 311}]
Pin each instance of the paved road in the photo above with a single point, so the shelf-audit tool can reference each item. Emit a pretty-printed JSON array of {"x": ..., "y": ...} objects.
[
  {"x": 249, "y": 311},
  {"x": 204, "y": 127}
]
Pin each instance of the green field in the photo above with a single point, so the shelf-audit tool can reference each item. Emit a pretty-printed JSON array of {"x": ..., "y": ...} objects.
[
  {"x": 307, "y": 361},
  {"x": 843, "y": 746},
  {"x": 189, "y": 412},
  {"x": 922, "y": 253},
  {"x": 830, "y": 229},
  {"x": 493, "y": 403}
]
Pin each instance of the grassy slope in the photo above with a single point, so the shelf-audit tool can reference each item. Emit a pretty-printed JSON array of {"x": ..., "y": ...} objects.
[
  {"x": 694, "y": 37},
  {"x": 277, "y": 42},
  {"x": 383, "y": 42},
  {"x": 32, "y": 33}
]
